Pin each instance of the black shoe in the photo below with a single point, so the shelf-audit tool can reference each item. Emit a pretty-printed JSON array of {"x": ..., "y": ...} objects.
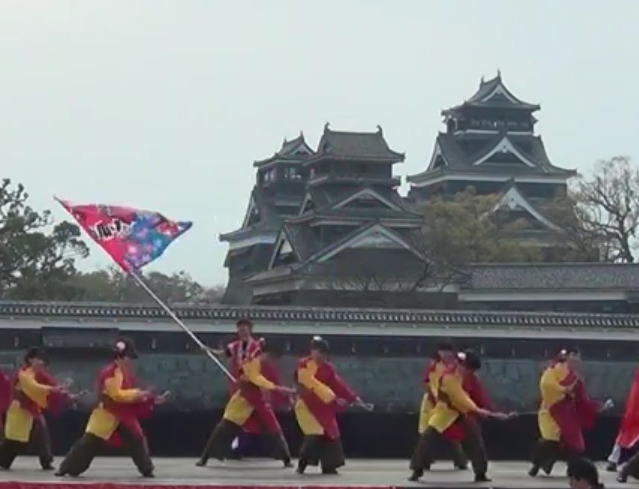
[
  {"x": 59, "y": 473},
  {"x": 611, "y": 467},
  {"x": 287, "y": 463},
  {"x": 416, "y": 475},
  {"x": 460, "y": 467},
  {"x": 534, "y": 470},
  {"x": 201, "y": 463},
  {"x": 329, "y": 471},
  {"x": 481, "y": 478},
  {"x": 48, "y": 467},
  {"x": 301, "y": 466},
  {"x": 622, "y": 478}
]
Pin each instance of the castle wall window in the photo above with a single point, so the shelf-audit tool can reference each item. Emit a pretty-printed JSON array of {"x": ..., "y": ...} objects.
[
  {"x": 292, "y": 174},
  {"x": 270, "y": 176}
]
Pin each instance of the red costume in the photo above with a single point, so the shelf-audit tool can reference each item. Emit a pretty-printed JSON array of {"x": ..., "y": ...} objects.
[
  {"x": 629, "y": 430},
  {"x": 127, "y": 413}
]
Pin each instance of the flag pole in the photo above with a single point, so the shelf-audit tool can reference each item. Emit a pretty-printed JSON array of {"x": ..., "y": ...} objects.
[{"x": 140, "y": 281}]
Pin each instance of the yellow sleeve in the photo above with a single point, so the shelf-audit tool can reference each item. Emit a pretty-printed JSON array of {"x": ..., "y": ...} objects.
[
  {"x": 30, "y": 386},
  {"x": 253, "y": 371},
  {"x": 461, "y": 401},
  {"x": 113, "y": 389},
  {"x": 549, "y": 383},
  {"x": 306, "y": 377}
]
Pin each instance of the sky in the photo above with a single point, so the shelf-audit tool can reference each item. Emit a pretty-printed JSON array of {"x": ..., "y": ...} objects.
[{"x": 165, "y": 104}]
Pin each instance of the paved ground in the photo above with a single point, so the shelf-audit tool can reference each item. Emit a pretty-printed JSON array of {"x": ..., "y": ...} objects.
[{"x": 172, "y": 471}]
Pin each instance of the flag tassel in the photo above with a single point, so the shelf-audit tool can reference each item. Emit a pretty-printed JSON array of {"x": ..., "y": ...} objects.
[{"x": 140, "y": 281}]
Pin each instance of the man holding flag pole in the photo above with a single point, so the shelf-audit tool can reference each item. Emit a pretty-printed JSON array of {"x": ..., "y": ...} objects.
[{"x": 133, "y": 238}]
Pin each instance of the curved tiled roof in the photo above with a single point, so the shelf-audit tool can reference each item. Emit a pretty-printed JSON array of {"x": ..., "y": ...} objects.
[{"x": 318, "y": 315}]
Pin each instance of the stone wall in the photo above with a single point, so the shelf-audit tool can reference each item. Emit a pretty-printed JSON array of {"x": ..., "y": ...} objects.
[{"x": 393, "y": 384}]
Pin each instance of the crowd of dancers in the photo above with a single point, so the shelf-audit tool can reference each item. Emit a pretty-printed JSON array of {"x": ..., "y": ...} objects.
[{"x": 454, "y": 402}]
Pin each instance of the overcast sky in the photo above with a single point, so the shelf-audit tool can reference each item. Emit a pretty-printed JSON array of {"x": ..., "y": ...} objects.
[{"x": 166, "y": 104}]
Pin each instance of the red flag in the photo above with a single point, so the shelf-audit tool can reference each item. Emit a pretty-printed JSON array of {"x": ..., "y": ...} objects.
[{"x": 133, "y": 238}]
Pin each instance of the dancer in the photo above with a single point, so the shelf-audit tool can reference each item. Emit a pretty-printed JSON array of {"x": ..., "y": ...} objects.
[
  {"x": 115, "y": 419},
  {"x": 453, "y": 405},
  {"x": 565, "y": 411},
  {"x": 627, "y": 442},
  {"x": 6, "y": 394},
  {"x": 476, "y": 391},
  {"x": 34, "y": 392},
  {"x": 444, "y": 355},
  {"x": 248, "y": 399},
  {"x": 321, "y": 392},
  {"x": 253, "y": 429},
  {"x": 236, "y": 352}
]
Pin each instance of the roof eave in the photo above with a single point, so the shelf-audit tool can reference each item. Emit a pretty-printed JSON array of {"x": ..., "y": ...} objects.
[{"x": 388, "y": 159}]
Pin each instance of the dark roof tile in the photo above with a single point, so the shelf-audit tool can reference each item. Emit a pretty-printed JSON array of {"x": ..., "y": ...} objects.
[
  {"x": 480, "y": 319},
  {"x": 549, "y": 276},
  {"x": 369, "y": 146}
]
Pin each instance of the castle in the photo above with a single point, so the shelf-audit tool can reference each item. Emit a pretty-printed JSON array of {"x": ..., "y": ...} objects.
[{"x": 326, "y": 226}]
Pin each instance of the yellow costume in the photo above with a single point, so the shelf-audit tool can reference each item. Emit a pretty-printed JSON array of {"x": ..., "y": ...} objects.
[{"x": 432, "y": 375}]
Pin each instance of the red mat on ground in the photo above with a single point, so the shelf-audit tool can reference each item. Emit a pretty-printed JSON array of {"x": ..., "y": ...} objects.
[{"x": 111, "y": 485}]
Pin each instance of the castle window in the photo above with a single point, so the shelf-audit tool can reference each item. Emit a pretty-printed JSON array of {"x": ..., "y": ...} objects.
[{"x": 292, "y": 174}]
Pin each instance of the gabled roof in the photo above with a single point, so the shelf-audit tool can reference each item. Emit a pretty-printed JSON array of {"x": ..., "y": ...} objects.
[
  {"x": 355, "y": 146},
  {"x": 493, "y": 94},
  {"x": 309, "y": 251},
  {"x": 369, "y": 194},
  {"x": 514, "y": 199},
  {"x": 294, "y": 151},
  {"x": 528, "y": 153},
  {"x": 372, "y": 235},
  {"x": 336, "y": 199}
]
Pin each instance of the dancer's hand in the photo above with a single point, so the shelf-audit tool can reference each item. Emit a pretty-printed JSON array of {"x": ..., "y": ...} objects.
[
  {"x": 500, "y": 416},
  {"x": 218, "y": 352},
  {"x": 161, "y": 399},
  {"x": 143, "y": 395},
  {"x": 285, "y": 390},
  {"x": 484, "y": 413}
]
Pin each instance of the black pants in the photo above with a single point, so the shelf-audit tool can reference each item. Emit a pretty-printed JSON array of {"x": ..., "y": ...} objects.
[
  {"x": 545, "y": 454},
  {"x": 631, "y": 467},
  {"x": 219, "y": 443},
  {"x": 321, "y": 450},
  {"x": 460, "y": 459},
  {"x": 473, "y": 446},
  {"x": 82, "y": 453},
  {"x": 39, "y": 438}
]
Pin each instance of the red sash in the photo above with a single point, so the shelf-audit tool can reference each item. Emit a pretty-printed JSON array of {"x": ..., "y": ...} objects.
[
  {"x": 325, "y": 413},
  {"x": 629, "y": 429}
]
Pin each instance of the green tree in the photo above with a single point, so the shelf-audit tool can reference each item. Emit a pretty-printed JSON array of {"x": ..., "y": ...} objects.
[
  {"x": 37, "y": 257},
  {"x": 112, "y": 285},
  {"x": 471, "y": 228}
]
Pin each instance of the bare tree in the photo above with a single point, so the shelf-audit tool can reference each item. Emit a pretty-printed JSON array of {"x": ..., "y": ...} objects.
[{"x": 608, "y": 206}]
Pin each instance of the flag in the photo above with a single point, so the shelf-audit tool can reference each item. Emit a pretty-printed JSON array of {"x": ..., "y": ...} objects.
[{"x": 132, "y": 237}]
